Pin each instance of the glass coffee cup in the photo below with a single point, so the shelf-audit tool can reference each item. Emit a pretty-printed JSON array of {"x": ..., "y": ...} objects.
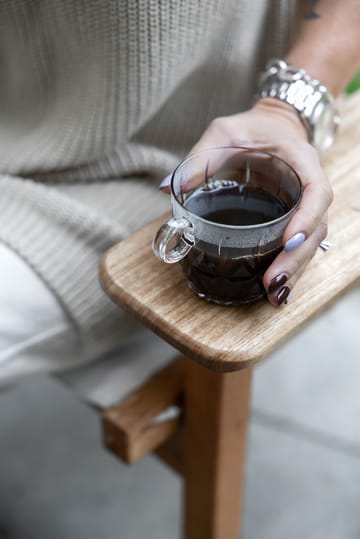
[{"x": 230, "y": 208}]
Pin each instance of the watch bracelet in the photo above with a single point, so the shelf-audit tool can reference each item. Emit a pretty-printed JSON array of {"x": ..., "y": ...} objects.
[{"x": 295, "y": 87}]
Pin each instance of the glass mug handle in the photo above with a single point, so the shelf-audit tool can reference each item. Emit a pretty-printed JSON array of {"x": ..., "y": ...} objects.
[{"x": 178, "y": 230}]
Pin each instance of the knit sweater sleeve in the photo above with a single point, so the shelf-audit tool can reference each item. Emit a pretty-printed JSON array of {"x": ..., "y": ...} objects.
[
  {"x": 98, "y": 101},
  {"x": 62, "y": 236}
]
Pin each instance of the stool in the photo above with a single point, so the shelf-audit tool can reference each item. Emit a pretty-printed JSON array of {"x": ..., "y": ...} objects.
[{"x": 210, "y": 383}]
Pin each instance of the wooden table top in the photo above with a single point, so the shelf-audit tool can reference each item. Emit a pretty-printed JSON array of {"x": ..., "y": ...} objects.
[{"x": 230, "y": 338}]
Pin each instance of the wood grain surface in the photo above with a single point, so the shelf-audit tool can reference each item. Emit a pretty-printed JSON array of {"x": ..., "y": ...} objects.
[
  {"x": 127, "y": 426},
  {"x": 216, "y": 424},
  {"x": 230, "y": 338}
]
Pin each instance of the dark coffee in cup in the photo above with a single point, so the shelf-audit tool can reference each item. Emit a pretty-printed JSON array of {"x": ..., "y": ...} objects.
[
  {"x": 230, "y": 208},
  {"x": 222, "y": 274}
]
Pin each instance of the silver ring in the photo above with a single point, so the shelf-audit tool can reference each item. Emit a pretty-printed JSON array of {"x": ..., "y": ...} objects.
[{"x": 325, "y": 245}]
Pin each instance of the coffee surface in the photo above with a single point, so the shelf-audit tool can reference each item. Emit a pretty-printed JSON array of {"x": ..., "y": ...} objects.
[
  {"x": 235, "y": 204},
  {"x": 224, "y": 275}
]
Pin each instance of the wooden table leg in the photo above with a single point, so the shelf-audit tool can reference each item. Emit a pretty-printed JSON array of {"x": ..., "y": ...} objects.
[{"x": 216, "y": 418}]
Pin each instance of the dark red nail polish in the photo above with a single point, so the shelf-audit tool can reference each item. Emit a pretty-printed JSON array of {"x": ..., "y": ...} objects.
[
  {"x": 282, "y": 294},
  {"x": 277, "y": 281}
]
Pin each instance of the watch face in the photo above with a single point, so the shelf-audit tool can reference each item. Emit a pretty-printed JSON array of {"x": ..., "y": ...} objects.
[{"x": 325, "y": 128}]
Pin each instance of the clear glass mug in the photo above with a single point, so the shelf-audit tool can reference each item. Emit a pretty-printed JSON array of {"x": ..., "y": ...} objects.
[{"x": 230, "y": 208}]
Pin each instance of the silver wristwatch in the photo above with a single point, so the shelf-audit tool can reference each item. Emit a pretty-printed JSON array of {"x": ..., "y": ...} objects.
[{"x": 313, "y": 102}]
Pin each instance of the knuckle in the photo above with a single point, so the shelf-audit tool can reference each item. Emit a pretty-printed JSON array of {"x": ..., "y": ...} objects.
[
  {"x": 218, "y": 123},
  {"x": 312, "y": 154},
  {"x": 295, "y": 266},
  {"x": 326, "y": 193},
  {"x": 328, "y": 190}
]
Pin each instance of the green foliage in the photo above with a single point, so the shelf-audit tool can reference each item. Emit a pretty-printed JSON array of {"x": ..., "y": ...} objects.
[{"x": 354, "y": 84}]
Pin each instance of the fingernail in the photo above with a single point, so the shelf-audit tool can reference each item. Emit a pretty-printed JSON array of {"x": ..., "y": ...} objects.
[
  {"x": 166, "y": 182},
  {"x": 295, "y": 241},
  {"x": 288, "y": 299},
  {"x": 282, "y": 295},
  {"x": 277, "y": 281}
]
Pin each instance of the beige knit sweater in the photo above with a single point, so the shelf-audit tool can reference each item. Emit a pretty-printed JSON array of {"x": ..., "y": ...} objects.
[{"x": 99, "y": 99}]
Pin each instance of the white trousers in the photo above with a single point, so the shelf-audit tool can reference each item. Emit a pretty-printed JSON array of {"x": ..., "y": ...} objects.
[{"x": 37, "y": 336}]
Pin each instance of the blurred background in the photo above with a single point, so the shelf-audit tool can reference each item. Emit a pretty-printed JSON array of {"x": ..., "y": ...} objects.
[
  {"x": 303, "y": 474},
  {"x": 354, "y": 84}
]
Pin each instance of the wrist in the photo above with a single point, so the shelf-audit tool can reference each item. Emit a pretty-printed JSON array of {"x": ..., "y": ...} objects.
[{"x": 310, "y": 99}]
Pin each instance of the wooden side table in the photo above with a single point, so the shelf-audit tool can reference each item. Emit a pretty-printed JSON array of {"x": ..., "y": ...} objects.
[{"x": 221, "y": 345}]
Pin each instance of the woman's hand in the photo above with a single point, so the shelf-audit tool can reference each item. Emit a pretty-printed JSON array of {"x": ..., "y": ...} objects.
[{"x": 275, "y": 127}]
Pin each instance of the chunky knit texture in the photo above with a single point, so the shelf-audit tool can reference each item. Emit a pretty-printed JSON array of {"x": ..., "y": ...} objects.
[{"x": 99, "y": 99}]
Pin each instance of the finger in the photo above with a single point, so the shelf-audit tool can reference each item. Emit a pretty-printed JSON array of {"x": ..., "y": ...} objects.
[
  {"x": 198, "y": 173},
  {"x": 165, "y": 184},
  {"x": 317, "y": 194},
  {"x": 251, "y": 159},
  {"x": 284, "y": 272},
  {"x": 217, "y": 134},
  {"x": 220, "y": 164},
  {"x": 315, "y": 200},
  {"x": 214, "y": 136}
]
